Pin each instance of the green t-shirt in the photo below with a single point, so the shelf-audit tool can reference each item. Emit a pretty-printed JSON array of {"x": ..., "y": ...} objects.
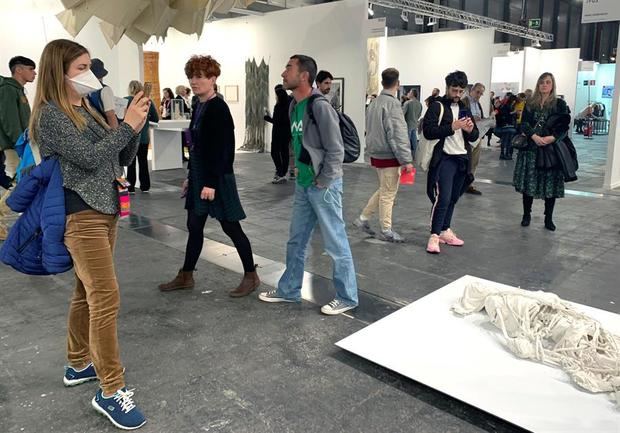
[{"x": 305, "y": 172}]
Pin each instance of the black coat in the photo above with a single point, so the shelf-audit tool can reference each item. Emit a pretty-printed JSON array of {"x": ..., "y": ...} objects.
[
  {"x": 281, "y": 131},
  {"x": 440, "y": 132}
]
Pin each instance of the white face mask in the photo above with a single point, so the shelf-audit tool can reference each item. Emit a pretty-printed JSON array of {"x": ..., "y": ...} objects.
[{"x": 85, "y": 83}]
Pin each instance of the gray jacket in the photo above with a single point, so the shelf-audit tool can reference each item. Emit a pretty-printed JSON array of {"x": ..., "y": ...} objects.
[
  {"x": 90, "y": 160},
  {"x": 386, "y": 130},
  {"x": 323, "y": 140}
]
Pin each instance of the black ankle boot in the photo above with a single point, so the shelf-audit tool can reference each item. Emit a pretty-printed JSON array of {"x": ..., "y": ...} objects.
[
  {"x": 549, "y": 205},
  {"x": 527, "y": 210},
  {"x": 525, "y": 221}
]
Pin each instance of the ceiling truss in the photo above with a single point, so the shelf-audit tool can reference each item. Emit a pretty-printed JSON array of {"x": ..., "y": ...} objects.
[{"x": 422, "y": 7}]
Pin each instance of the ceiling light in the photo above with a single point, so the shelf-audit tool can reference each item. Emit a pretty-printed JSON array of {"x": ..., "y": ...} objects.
[
  {"x": 431, "y": 22},
  {"x": 370, "y": 11},
  {"x": 536, "y": 44},
  {"x": 404, "y": 16}
]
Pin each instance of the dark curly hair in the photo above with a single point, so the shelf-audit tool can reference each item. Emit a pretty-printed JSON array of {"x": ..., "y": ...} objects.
[
  {"x": 198, "y": 66},
  {"x": 456, "y": 79}
]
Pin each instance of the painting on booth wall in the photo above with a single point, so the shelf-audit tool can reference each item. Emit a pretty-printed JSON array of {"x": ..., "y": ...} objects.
[
  {"x": 372, "y": 85},
  {"x": 406, "y": 89},
  {"x": 336, "y": 94}
]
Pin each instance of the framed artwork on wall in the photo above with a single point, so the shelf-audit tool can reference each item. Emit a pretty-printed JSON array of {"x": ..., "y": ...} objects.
[
  {"x": 405, "y": 89},
  {"x": 336, "y": 94},
  {"x": 231, "y": 93}
]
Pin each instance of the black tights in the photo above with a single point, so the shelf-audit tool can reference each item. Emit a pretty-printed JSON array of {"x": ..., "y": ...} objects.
[
  {"x": 196, "y": 225},
  {"x": 528, "y": 200}
]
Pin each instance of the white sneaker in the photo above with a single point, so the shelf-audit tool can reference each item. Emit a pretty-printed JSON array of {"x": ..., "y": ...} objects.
[
  {"x": 336, "y": 307},
  {"x": 279, "y": 180}
]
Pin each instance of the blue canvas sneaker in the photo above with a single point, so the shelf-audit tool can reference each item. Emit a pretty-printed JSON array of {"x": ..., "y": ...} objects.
[
  {"x": 119, "y": 409},
  {"x": 75, "y": 377}
]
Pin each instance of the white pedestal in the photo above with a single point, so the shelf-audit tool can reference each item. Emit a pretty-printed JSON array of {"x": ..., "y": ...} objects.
[
  {"x": 166, "y": 144},
  {"x": 463, "y": 357}
]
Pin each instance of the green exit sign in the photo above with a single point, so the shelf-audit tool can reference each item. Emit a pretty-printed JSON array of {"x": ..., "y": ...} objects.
[{"x": 534, "y": 23}]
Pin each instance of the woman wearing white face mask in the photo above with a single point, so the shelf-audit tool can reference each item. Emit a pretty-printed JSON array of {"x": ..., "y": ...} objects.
[{"x": 90, "y": 155}]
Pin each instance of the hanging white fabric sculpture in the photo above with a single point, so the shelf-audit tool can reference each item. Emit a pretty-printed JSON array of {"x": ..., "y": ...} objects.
[{"x": 540, "y": 326}]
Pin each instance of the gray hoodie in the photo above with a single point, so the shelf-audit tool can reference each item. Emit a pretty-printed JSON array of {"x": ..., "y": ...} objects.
[
  {"x": 323, "y": 140},
  {"x": 386, "y": 130}
]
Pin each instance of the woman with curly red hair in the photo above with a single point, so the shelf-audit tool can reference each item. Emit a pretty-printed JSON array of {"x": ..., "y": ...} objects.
[{"x": 210, "y": 188}]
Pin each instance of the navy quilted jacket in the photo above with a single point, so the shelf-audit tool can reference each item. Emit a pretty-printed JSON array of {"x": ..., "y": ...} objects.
[{"x": 35, "y": 244}]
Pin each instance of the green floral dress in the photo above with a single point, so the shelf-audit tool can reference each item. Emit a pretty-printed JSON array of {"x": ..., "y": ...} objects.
[{"x": 528, "y": 179}]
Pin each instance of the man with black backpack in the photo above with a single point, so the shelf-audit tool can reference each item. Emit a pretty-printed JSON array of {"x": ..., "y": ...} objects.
[
  {"x": 319, "y": 153},
  {"x": 103, "y": 99}
]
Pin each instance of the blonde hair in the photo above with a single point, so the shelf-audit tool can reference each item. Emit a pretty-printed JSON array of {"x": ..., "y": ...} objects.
[
  {"x": 536, "y": 101},
  {"x": 55, "y": 60},
  {"x": 134, "y": 87},
  {"x": 179, "y": 89}
]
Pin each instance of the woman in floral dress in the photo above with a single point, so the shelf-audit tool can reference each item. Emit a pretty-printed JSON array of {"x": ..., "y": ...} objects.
[{"x": 529, "y": 180}]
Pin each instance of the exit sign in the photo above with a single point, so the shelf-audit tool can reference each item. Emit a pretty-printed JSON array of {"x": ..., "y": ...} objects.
[{"x": 534, "y": 23}]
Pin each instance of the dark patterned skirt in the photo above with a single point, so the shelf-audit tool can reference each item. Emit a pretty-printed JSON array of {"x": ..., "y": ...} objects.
[
  {"x": 534, "y": 182},
  {"x": 225, "y": 207}
]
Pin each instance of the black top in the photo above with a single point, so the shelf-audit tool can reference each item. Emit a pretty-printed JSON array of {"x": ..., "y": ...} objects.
[
  {"x": 505, "y": 116},
  {"x": 281, "y": 132},
  {"x": 213, "y": 136}
]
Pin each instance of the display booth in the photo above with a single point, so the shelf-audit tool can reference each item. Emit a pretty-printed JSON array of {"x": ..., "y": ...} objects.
[
  {"x": 518, "y": 71},
  {"x": 331, "y": 33},
  {"x": 425, "y": 59}
]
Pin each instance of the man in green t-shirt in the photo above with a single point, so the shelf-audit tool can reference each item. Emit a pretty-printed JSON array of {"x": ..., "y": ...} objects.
[{"x": 318, "y": 192}]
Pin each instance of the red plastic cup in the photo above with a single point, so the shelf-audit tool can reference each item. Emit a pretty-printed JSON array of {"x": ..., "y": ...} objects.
[{"x": 407, "y": 178}]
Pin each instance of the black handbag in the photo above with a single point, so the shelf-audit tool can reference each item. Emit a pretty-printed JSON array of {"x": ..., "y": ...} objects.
[{"x": 520, "y": 142}]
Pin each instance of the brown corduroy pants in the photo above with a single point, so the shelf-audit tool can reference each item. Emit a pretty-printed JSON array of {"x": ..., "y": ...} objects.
[{"x": 90, "y": 237}]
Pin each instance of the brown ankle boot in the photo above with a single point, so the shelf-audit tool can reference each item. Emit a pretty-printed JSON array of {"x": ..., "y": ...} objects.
[
  {"x": 183, "y": 280},
  {"x": 249, "y": 283}
]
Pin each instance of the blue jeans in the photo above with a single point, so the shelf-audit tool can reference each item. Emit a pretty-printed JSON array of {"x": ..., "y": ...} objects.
[
  {"x": 413, "y": 140},
  {"x": 322, "y": 205}
]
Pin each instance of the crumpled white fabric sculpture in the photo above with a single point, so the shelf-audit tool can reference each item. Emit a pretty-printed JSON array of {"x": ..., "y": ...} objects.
[
  {"x": 542, "y": 327},
  {"x": 141, "y": 19}
]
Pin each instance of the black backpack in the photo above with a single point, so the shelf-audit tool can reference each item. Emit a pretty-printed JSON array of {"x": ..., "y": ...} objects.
[{"x": 350, "y": 138}]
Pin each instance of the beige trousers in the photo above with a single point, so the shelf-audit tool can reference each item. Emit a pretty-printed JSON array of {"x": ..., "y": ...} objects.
[
  {"x": 475, "y": 157},
  {"x": 383, "y": 198}
]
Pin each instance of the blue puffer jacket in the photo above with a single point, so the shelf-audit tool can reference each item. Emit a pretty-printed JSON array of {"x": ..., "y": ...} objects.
[{"x": 35, "y": 244}]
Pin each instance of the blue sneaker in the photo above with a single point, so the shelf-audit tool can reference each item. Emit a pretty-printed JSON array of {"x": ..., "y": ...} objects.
[
  {"x": 119, "y": 409},
  {"x": 75, "y": 377}
]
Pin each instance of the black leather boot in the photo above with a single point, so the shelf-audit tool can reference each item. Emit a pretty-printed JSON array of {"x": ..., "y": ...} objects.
[
  {"x": 549, "y": 205},
  {"x": 527, "y": 210}
]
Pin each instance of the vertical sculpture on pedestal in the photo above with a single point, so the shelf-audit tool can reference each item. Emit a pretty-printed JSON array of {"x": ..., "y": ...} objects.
[{"x": 256, "y": 102}]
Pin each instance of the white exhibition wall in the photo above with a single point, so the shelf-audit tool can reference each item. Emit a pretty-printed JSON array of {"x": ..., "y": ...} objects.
[
  {"x": 28, "y": 25},
  {"x": 426, "y": 59},
  {"x": 333, "y": 34},
  {"x": 612, "y": 172},
  {"x": 604, "y": 76},
  {"x": 526, "y": 66}
]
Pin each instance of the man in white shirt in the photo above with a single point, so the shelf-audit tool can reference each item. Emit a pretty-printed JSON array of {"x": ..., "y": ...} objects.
[{"x": 450, "y": 122}]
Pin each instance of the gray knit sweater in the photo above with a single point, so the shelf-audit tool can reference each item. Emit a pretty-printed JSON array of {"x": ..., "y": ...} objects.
[{"x": 90, "y": 160}]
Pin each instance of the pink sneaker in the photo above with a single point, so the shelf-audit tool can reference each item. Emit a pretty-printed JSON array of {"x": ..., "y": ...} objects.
[
  {"x": 448, "y": 237},
  {"x": 433, "y": 245}
]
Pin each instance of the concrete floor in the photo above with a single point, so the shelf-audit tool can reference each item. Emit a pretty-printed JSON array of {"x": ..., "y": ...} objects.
[{"x": 201, "y": 361}]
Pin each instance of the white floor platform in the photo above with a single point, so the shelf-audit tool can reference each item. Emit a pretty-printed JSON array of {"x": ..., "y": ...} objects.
[{"x": 464, "y": 358}]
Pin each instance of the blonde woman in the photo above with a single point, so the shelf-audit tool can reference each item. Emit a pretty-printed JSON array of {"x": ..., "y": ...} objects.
[
  {"x": 145, "y": 179},
  {"x": 530, "y": 180},
  {"x": 91, "y": 157}
]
